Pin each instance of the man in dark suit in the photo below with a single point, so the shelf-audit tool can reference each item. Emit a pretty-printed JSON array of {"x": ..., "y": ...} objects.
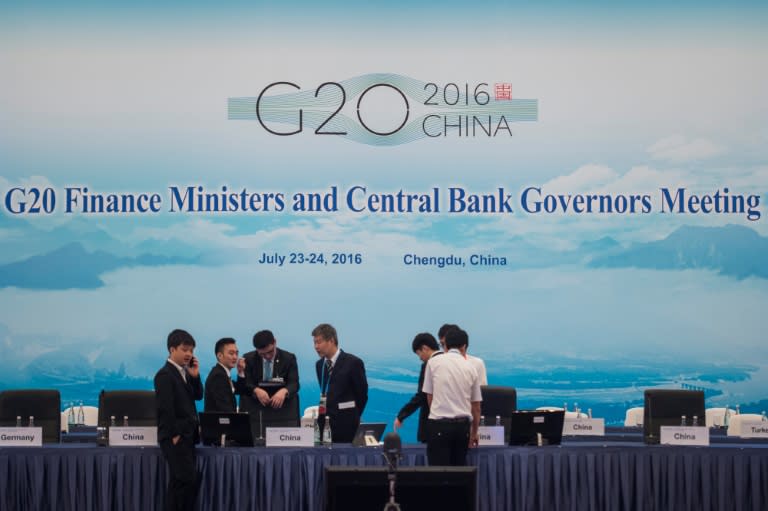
[
  {"x": 425, "y": 347},
  {"x": 270, "y": 392},
  {"x": 177, "y": 387},
  {"x": 219, "y": 388},
  {"x": 343, "y": 385}
]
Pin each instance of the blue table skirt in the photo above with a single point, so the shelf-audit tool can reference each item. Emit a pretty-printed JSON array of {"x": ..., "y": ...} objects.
[{"x": 577, "y": 475}]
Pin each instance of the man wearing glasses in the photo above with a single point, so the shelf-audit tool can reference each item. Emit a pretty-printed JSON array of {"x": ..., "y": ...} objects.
[{"x": 271, "y": 385}]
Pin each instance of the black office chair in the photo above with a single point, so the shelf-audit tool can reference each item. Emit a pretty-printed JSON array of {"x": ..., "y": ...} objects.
[
  {"x": 138, "y": 405},
  {"x": 498, "y": 401},
  {"x": 42, "y": 404}
]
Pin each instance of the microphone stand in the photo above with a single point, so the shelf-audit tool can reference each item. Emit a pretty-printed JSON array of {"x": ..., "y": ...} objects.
[
  {"x": 651, "y": 437},
  {"x": 391, "y": 459}
]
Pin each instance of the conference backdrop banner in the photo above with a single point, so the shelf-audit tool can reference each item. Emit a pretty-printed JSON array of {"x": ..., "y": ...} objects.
[{"x": 580, "y": 186}]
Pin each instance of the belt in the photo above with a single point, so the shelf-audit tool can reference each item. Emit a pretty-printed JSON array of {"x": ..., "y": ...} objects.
[{"x": 454, "y": 420}]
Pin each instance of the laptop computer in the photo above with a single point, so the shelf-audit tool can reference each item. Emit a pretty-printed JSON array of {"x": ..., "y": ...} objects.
[
  {"x": 536, "y": 427},
  {"x": 372, "y": 430},
  {"x": 236, "y": 427}
]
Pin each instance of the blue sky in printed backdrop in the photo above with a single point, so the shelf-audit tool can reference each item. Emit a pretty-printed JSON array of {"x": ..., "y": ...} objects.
[{"x": 630, "y": 99}]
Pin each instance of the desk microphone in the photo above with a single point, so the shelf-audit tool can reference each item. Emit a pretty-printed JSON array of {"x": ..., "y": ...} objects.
[{"x": 392, "y": 449}]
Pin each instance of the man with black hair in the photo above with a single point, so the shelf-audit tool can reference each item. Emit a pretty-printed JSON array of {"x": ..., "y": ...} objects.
[
  {"x": 177, "y": 387},
  {"x": 220, "y": 390},
  {"x": 476, "y": 362},
  {"x": 271, "y": 390},
  {"x": 425, "y": 347},
  {"x": 343, "y": 384},
  {"x": 452, "y": 387}
]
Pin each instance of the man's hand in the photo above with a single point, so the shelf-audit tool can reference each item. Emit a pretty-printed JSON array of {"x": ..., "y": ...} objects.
[
  {"x": 241, "y": 367},
  {"x": 261, "y": 395},
  {"x": 398, "y": 424},
  {"x": 176, "y": 439},
  {"x": 193, "y": 369},
  {"x": 279, "y": 398}
]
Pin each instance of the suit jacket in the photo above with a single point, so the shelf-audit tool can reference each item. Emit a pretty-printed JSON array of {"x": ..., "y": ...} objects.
[
  {"x": 418, "y": 402},
  {"x": 283, "y": 366},
  {"x": 218, "y": 391},
  {"x": 176, "y": 411},
  {"x": 347, "y": 395}
]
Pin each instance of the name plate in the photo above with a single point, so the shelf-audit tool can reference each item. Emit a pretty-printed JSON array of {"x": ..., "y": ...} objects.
[
  {"x": 21, "y": 437},
  {"x": 290, "y": 437},
  {"x": 752, "y": 429},
  {"x": 490, "y": 435},
  {"x": 133, "y": 436},
  {"x": 684, "y": 435},
  {"x": 583, "y": 427}
]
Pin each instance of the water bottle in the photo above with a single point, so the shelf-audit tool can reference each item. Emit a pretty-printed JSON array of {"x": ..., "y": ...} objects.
[
  {"x": 327, "y": 438},
  {"x": 125, "y": 421},
  {"x": 498, "y": 420},
  {"x": 565, "y": 406},
  {"x": 682, "y": 420},
  {"x": 726, "y": 416},
  {"x": 81, "y": 414},
  {"x": 577, "y": 409},
  {"x": 589, "y": 413},
  {"x": 31, "y": 421},
  {"x": 482, "y": 420},
  {"x": 71, "y": 414},
  {"x": 317, "y": 432},
  {"x": 695, "y": 420},
  {"x": 112, "y": 422},
  {"x": 18, "y": 421},
  {"x": 738, "y": 410},
  {"x": 764, "y": 418}
]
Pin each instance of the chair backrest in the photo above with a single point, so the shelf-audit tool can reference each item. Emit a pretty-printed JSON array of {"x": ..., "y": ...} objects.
[
  {"x": 91, "y": 416},
  {"x": 734, "y": 422},
  {"x": 42, "y": 404},
  {"x": 311, "y": 412},
  {"x": 138, "y": 405},
  {"x": 568, "y": 415},
  {"x": 634, "y": 417},
  {"x": 498, "y": 400},
  {"x": 716, "y": 416}
]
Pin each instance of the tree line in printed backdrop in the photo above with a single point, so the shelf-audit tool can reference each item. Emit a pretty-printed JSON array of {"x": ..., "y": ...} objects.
[{"x": 550, "y": 382}]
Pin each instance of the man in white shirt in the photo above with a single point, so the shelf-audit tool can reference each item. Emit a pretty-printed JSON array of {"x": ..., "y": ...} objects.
[
  {"x": 452, "y": 386},
  {"x": 476, "y": 362}
]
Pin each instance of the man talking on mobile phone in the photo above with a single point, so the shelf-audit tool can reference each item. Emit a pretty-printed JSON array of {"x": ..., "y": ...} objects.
[{"x": 177, "y": 387}]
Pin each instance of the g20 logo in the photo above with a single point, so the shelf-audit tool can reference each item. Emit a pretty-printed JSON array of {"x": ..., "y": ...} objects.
[{"x": 354, "y": 109}]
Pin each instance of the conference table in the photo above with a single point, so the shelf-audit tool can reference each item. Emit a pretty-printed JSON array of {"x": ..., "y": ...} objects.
[{"x": 610, "y": 473}]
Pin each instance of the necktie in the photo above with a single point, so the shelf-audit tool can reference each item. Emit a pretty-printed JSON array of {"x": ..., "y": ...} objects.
[{"x": 267, "y": 369}]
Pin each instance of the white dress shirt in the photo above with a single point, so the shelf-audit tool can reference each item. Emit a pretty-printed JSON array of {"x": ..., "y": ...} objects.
[
  {"x": 479, "y": 366},
  {"x": 454, "y": 384},
  {"x": 181, "y": 370},
  {"x": 229, "y": 373}
]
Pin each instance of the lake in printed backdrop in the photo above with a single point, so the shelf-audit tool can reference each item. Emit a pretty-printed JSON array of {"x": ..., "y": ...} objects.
[{"x": 581, "y": 187}]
